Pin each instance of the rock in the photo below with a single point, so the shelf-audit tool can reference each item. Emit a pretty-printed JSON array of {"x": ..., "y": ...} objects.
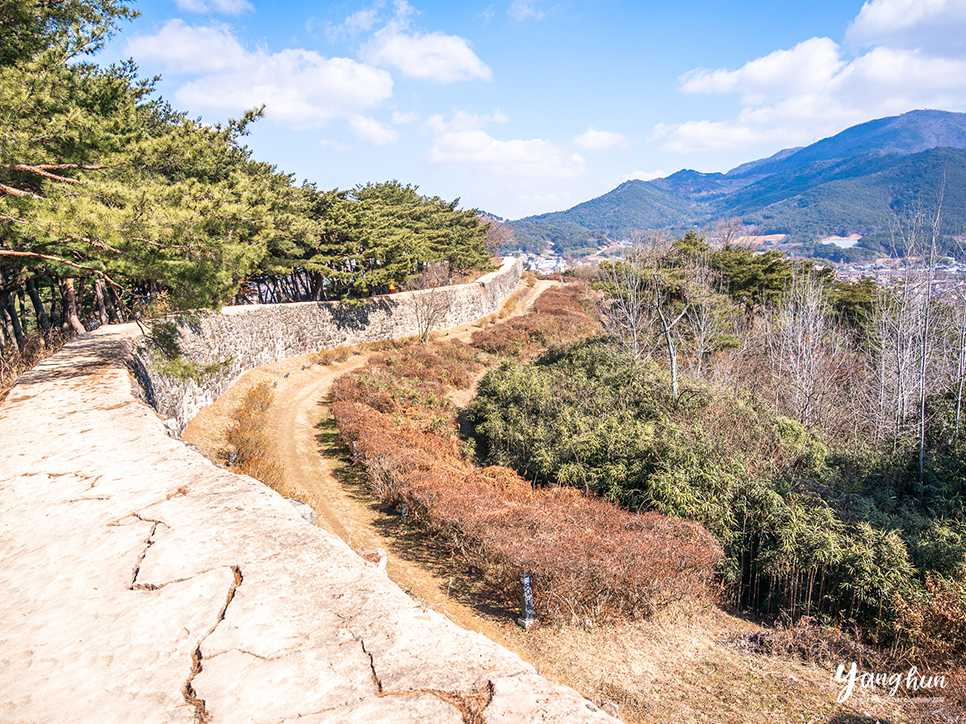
[{"x": 305, "y": 510}]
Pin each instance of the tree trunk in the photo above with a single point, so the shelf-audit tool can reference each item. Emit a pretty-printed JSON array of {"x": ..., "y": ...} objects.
[
  {"x": 55, "y": 318},
  {"x": 42, "y": 317},
  {"x": 961, "y": 371},
  {"x": 112, "y": 314},
  {"x": 24, "y": 317},
  {"x": 99, "y": 298},
  {"x": 70, "y": 305},
  {"x": 6, "y": 303}
]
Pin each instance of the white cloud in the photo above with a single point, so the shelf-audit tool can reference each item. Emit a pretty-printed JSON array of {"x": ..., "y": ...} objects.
[
  {"x": 463, "y": 121},
  {"x": 428, "y": 56},
  {"x": 594, "y": 140},
  {"x": 298, "y": 86},
  {"x": 525, "y": 10},
  {"x": 401, "y": 119},
  {"x": 806, "y": 68},
  {"x": 360, "y": 21},
  {"x": 369, "y": 129},
  {"x": 939, "y": 25},
  {"x": 180, "y": 48},
  {"x": 794, "y": 97},
  {"x": 535, "y": 158},
  {"x": 229, "y": 7}
]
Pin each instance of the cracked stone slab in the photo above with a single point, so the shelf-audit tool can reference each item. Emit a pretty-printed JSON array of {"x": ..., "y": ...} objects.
[{"x": 140, "y": 582}]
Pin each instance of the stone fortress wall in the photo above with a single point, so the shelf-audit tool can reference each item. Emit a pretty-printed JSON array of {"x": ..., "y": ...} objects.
[
  {"x": 254, "y": 335},
  {"x": 143, "y": 583}
]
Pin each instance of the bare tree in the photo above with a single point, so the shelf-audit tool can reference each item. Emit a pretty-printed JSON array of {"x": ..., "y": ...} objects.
[
  {"x": 430, "y": 298},
  {"x": 498, "y": 234},
  {"x": 808, "y": 352},
  {"x": 642, "y": 311},
  {"x": 628, "y": 311},
  {"x": 709, "y": 315}
]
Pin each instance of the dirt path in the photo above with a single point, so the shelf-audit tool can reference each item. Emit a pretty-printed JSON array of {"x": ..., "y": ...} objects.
[
  {"x": 671, "y": 667},
  {"x": 306, "y": 444}
]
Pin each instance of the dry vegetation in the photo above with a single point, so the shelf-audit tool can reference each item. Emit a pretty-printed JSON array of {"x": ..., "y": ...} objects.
[
  {"x": 250, "y": 450},
  {"x": 588, "y": 559},
  {"x": 558, "y": 317},
  {"x": 626, "y": 601},
  {"x": 15, "y": 361}
]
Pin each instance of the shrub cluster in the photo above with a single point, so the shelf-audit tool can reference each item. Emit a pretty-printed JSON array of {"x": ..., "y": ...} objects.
[
  {"x": 558, "y": 317},
  {"x": 587, "y": 558},
  {"x": 413, "y": 381},
  {"x": 249, "y": 440},
  {"x": 590, "y": 417}
]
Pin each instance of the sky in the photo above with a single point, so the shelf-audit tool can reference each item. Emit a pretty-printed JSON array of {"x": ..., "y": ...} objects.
[{"x": 522, "y": 107}]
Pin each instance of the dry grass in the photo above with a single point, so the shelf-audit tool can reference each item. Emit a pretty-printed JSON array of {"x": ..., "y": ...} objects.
[
  {"x": 250, "y": 451},
  {"x": 558, "y": 317},
  {"x": 14, "y": 362}
]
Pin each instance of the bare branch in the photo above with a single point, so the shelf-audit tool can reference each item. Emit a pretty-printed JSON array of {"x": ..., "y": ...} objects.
[
  {"x": 11, "y": 191},
  {"x": 45, "y": 169}
]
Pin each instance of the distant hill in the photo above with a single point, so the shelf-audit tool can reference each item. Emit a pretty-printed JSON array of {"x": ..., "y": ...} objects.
[{"x": 857, "y": 181}]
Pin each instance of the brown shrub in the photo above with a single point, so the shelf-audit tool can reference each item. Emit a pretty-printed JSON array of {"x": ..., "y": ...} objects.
[
  {"x": 558, "y": 317},
  {"x": 252, "y": 449},
  {"x": 812, "y": 642},
  {"x": 932, "y": 628},
  {"x": 587, "y": 558},
  {"x": 413, "y": 381}
]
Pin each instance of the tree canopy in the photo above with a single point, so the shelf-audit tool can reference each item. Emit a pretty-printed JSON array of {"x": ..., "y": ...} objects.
[{"x": 104, "y": 182}]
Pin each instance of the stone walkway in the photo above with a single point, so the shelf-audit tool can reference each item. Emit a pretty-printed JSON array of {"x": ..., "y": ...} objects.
[{"x": 141, "y": 583}]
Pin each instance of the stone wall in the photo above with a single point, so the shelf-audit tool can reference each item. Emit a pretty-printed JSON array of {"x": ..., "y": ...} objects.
[
  {"x": 254, "y": 335},
  {"x": 141, "y": 583}
]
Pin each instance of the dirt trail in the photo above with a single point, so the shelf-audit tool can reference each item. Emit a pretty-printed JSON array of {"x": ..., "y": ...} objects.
[{"x": 306, "y": 445}]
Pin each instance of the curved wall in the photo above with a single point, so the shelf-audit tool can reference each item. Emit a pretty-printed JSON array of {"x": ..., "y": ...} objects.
[
  {"x": 140, "y": 582},
  {"x": 254, "y": 335}
]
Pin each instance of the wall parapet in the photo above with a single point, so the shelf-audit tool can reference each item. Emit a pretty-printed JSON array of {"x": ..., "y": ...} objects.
[{"x": 249, "y": 336}]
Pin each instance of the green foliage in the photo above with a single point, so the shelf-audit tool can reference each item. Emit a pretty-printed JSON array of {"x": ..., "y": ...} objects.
[
  {"x": 98, "y": 178},
  {"x": 162, "y": 342},
  {"x": 750, "y": 277},
  {"x": 799, "y": 535}
]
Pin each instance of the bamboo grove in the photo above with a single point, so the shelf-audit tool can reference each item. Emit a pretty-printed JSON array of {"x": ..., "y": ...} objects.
[
  {"x": 813, "y": 426},
  {"x": 111, "y": 200}
]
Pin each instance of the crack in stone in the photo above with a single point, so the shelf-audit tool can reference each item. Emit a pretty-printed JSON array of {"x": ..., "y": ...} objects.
[
  {"x": 470, "y": 704},
  {"x": 372, "y": 667},
  {"x": 202, "y": 715},
  {"x": 148, "y": 542}
]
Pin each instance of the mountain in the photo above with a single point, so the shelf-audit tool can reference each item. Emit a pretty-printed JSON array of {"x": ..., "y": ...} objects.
[{"x": 857, "y": 181}]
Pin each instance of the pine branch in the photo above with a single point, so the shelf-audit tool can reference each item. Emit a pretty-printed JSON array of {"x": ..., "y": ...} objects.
[
  {"x": 11, "y": 191},
  {"x": 60, "y": 260},
  {"x": 44, "y": 169}
]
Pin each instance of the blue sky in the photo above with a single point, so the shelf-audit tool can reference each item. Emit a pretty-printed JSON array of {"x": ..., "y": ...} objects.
[{"x": 521, "y": 107}]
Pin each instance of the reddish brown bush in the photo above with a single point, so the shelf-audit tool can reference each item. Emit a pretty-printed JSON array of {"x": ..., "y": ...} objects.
[
  {"x": 586, "y": 557},
  {"x": 414, "y": 380},
  {"x": 558, "y": 317}
]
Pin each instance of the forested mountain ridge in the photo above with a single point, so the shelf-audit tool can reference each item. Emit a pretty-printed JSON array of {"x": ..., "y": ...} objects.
[{"x": 857, "y": 181}]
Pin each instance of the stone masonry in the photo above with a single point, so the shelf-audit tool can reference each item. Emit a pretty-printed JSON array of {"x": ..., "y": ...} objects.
[
  {"x": 139, "y": 582},
  {"x": 249, "y": 336}
]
